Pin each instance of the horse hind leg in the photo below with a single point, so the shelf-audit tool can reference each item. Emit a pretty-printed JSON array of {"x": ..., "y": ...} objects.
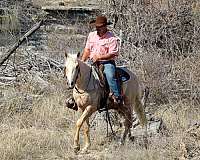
[
  {"x": 139, "y": 110},
  {"x": 127, "y": 125}
]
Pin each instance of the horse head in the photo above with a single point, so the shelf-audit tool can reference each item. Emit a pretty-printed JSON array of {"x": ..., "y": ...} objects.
[{"x": 71, "y": 69}]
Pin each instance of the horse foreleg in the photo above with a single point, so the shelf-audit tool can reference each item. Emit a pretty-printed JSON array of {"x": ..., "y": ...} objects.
[
  {"x": 85, "y": 115},
  {"x": 86, "y": 135}
]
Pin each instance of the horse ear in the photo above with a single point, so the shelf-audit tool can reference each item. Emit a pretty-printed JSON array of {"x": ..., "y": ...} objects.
[
  {"x": 66, "y": 55},
  {"x": 78, "y": 55}
]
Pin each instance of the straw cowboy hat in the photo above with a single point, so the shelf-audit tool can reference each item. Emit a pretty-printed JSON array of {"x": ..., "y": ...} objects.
[{"x": 100, "y": 21}]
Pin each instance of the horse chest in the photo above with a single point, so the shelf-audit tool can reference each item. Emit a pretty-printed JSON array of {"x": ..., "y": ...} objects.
[{"x": 84, "y": 100}]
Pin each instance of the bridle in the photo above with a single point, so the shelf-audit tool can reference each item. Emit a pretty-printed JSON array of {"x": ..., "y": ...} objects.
[{"x": 79, "y": 74}]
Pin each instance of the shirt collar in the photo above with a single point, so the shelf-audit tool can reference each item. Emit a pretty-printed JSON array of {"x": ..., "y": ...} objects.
[{"x": 103, "y": 35}]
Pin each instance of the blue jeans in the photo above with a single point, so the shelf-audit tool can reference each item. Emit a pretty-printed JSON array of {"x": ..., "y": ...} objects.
[{"x": 109, "y": 71}]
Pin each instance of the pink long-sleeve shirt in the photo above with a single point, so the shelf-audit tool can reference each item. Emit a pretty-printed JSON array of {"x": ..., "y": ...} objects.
[{"x": 107, "y": 44}]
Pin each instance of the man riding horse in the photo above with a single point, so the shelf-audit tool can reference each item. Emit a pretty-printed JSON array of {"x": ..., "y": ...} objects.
[{"x": 102, "y": 47}]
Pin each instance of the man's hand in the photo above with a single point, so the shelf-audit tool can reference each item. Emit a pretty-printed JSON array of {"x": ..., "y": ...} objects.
[
  {"x": 95, "y": 58},
  {"x": 85, "y": 55}
]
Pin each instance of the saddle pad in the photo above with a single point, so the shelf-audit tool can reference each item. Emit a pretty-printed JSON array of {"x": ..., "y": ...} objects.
[{"x": 121, "y": 71}]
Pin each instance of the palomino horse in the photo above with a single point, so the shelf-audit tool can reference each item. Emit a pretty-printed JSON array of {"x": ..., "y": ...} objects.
[{"x": 87, "y": 94}]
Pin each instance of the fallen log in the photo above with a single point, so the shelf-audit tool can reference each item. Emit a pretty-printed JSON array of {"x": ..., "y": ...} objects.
[
  {"x": 8, "y": 78},
  {"x": 17, "y": 44}
]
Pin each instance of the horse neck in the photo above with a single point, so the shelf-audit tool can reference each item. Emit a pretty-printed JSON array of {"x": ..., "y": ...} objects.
[{"x": 84, "y": 76}]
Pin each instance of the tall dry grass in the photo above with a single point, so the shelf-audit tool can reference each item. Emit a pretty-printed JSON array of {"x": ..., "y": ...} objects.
[{"x": 36, "y": 126}]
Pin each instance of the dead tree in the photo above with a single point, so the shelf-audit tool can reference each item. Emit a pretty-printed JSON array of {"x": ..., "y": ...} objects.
[{"x": 17, "y": 44}]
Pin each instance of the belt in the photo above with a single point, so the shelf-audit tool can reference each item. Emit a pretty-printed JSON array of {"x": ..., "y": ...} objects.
[{"x": 107, "y": 62}]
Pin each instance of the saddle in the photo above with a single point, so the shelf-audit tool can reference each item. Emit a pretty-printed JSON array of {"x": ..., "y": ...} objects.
[{"x": 121, "y": 75}]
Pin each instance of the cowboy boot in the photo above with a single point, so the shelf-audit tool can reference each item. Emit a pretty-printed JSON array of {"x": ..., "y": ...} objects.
[
  {"x": 70, "y": 103},
  {"x": 118, "y": 101}
]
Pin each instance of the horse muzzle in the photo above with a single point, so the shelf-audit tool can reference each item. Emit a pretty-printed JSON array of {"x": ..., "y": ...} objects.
[
  {"x": 70, "y": 84},
  {"x": 70, "y": 87}
]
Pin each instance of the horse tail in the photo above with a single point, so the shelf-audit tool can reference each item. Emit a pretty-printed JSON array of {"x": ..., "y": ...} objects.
[
  {"x": 141, "y": 114},
  {"x": 143, "y": 101},
  {"x": 139, "y": 107},
  {"x": 145, "y": 97}
]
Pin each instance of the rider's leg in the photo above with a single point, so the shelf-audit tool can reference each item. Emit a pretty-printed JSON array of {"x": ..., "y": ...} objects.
[{"x": 109, "y": 71}]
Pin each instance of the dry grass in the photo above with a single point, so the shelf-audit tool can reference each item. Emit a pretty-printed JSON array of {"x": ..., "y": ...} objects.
[
  {"x": 35, "y": 127},
  {"x": 40, "y": 127}
]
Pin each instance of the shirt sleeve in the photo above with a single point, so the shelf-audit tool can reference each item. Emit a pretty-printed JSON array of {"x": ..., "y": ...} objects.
[
  {"x": 113, "y": 46},
  {"x": 87, "y": 46}
]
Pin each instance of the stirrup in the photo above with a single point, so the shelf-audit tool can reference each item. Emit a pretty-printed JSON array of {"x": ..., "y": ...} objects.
[{"x": 116, "y": 100}]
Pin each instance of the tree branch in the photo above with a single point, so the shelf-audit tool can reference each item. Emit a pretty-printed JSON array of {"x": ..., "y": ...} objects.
[{"x": 17, "y": 44}]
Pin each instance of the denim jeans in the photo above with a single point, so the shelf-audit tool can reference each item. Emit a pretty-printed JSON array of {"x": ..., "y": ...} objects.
[{"x": 109, "y": 71}]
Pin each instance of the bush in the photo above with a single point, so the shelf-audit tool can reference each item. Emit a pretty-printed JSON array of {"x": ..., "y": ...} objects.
[{"x": 163, "y": 42}]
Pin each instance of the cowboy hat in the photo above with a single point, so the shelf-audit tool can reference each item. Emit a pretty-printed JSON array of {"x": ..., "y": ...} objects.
[{"x": 100, "y": 21}]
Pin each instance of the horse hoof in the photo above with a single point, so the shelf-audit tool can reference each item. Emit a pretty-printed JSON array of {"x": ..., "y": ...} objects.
[
  {"x": 132, "y": 138},
  {"x": 76, "y": 149},
  {"x": 84, "y": 151},
  {"x": 121, "y": 143}
]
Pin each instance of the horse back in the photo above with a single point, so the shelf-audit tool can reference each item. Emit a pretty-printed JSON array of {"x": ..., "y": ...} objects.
[{"x": 131, "y": 88}]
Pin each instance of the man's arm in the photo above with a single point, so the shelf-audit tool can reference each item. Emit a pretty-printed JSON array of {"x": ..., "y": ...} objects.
[
  {"x": 86, "y": 54},
  {"x": 98, "y": 57},
  {"x": 112, "y": 52}
]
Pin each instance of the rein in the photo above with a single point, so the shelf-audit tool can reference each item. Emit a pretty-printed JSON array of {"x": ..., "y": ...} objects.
[{"x": 87, "y": 83}]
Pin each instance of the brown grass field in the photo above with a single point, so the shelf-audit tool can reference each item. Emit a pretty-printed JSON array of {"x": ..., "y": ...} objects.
[{"x": 38, "y": 126}]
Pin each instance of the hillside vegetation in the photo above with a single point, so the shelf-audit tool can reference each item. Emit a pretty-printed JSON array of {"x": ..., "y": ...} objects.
[{"x": 160, "y": 44}]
